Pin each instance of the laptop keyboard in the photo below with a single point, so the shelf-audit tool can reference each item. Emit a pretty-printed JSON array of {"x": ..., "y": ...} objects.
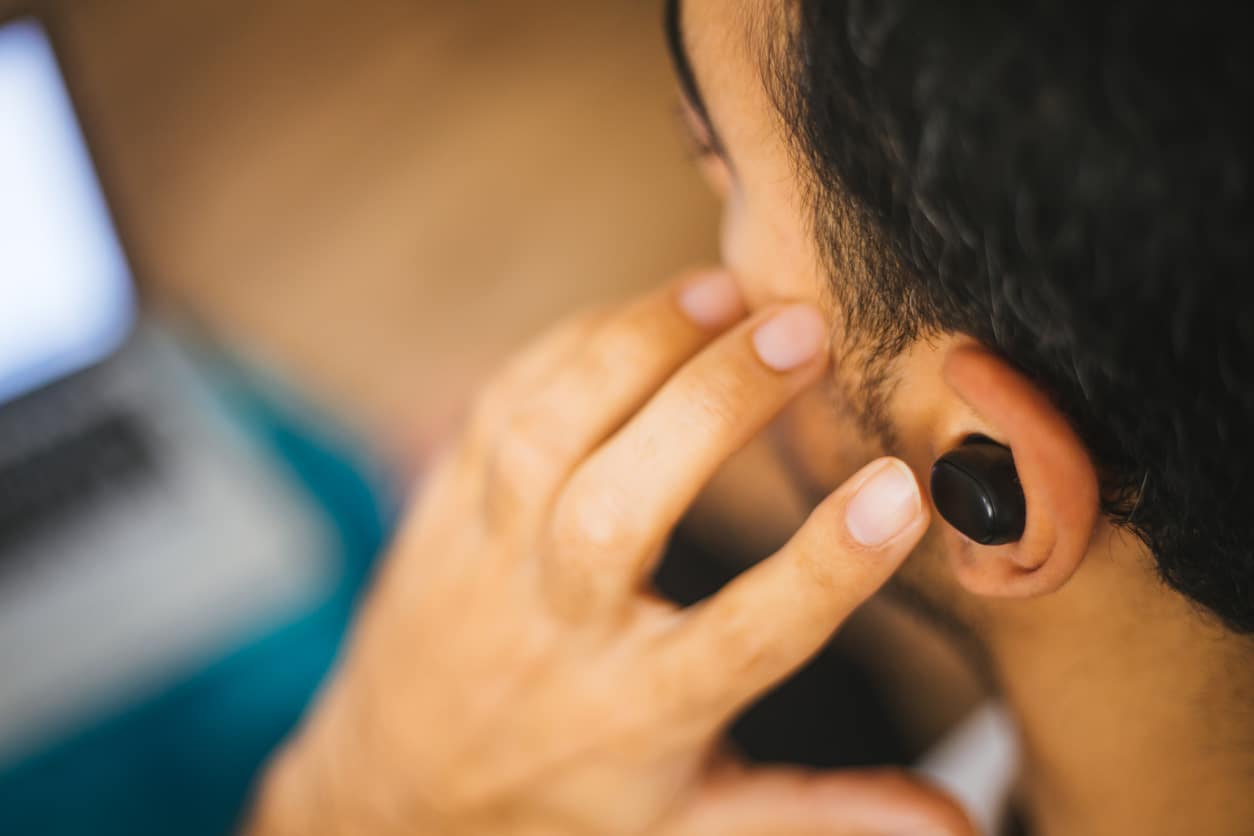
[{"x": 41, "y": 486}]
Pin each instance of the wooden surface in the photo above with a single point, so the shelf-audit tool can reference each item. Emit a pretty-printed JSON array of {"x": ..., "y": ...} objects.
[{"x": 383, "y": 197}]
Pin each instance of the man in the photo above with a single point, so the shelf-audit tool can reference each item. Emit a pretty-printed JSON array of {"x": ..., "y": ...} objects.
[{"x": 1025, "y": 223}]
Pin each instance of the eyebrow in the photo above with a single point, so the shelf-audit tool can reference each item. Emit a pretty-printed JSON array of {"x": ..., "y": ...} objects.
[{"x": 683, "y": 69}]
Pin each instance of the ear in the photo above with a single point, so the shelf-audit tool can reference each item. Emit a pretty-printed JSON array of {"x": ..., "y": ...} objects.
[{"x": 1058, "y": 477}]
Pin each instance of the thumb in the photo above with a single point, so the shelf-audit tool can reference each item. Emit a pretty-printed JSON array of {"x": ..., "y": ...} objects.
[{"x": 798, "y": 802}]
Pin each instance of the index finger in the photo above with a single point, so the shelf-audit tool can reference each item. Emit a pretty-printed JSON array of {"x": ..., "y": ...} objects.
[{"x": 767, "y": 623}]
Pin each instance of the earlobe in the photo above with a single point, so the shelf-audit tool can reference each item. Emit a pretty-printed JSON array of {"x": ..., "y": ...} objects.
[{"x": 1057, "y": 476}]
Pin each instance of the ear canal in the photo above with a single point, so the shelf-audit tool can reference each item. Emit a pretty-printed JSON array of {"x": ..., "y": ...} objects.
[{"x": 976, "y": 489}]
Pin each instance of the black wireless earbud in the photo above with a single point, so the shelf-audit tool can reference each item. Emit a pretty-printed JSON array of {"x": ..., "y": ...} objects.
[{"x": 976, "y": 489}]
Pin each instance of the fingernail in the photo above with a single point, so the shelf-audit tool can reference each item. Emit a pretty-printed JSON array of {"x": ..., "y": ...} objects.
[
  {"x": 885, "y": 506},
  {"x": 791, "y": 338},
  {"x": 711, "y": 300}
]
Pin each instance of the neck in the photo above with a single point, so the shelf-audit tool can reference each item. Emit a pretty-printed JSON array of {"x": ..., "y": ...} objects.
[{"x": 1136, "y": 716}]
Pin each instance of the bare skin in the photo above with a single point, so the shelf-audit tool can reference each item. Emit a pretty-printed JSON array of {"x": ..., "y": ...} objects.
[{"x": 513, "y": 674}]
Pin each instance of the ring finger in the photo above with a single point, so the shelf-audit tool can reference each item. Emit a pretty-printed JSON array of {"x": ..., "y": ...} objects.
[
  {"x": 621, "y": 504},
  {"x": 604, "y": 380}
]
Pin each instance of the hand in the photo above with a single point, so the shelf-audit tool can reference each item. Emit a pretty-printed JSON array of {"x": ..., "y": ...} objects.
[{"x": 512, "y": 674}]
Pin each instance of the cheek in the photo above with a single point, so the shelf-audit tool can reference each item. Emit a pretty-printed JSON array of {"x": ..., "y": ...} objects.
[
  {"x": 764, "y": 244},
  {"x": 762, "y": 249},
  {"x": 736, "y": 246},
  {"x": 821, "y": 443},
  {"x": 816, "y": 439}
]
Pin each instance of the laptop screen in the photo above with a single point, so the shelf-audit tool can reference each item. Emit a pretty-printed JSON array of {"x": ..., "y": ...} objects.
[{"x": 66, "y": 298}]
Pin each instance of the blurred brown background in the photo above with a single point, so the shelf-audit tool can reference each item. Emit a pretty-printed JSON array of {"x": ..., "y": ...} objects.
[{"x": 382, "y": 198}]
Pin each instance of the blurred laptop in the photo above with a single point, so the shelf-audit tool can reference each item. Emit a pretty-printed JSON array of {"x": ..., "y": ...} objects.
[{"x": 141, "y": 532}]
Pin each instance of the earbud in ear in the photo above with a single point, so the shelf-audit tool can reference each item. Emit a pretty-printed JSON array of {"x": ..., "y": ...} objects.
[{"x": 976, "y": 489}]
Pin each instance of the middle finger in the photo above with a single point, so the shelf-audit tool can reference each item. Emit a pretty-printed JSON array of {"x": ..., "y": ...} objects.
[
  {"x": 608, "y": 377},
  {"x": 618, "y": 508}
]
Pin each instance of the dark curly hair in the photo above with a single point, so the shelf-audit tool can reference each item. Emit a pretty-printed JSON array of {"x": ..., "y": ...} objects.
[{"x": 1068, "y": 182}]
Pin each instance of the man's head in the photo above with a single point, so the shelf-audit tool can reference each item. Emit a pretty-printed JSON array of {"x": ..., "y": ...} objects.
[{"x": 1030, "y": 221}]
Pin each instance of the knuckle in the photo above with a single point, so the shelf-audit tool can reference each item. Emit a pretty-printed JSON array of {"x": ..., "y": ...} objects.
[
  {"x": 673, "y": 682},
  {"x": 528, "y": 448},
  {"x": 574, "y": 331},
  {"x": 719, "y": 399},
  {"x": 692, "y": 676},
  {"x": 827, "y": 555},
  {"x": 740, "y": 643},
  {"x": 489, "y": 411},
  {"x": 525, "y": 461},
  {"x": 631, "y": 343},
  {"x": 817, "y": 567},
  {"x": 495, "y": 400},
  {"x": 596, "y": 367},
  {"x": 594, "y": 520}
]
